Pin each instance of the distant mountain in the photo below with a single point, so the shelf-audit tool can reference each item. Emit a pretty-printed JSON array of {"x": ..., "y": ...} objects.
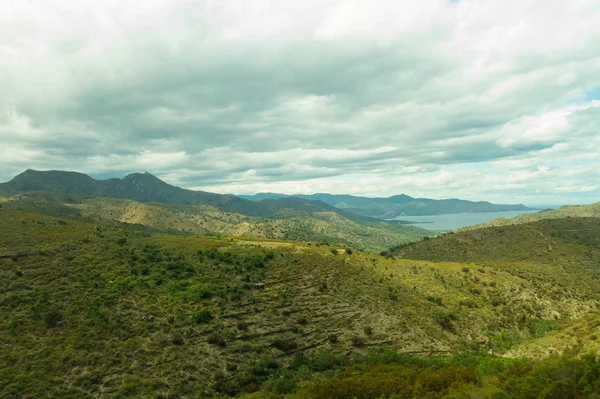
[
  {"x": 144, "y": 187},
  {"x": 395, "y": 206},
  {"x": 567, "y": 211}
]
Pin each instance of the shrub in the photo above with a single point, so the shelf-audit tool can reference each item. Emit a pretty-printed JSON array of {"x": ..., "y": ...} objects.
[
  {"x": 52, "y": 318},
  {"x": 284, "y": 386},
  {"x": 177, "y": 339},
  {"x": 443, "y": 318},
  {"x": 202, "y": 316},
  {"x": 298, "y": 360},
  {"x": 285, "y": 345},
  {"x": 217, "y": 339},
  {"x": 436, "y": 300},
  {"x": 324, "y": 361}
]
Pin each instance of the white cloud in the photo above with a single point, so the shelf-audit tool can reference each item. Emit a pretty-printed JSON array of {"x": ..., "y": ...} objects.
[{"x": 476, "y": 98}]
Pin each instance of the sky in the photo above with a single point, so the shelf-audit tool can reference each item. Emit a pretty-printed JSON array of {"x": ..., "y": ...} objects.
[{"x": 493, "y": 100}]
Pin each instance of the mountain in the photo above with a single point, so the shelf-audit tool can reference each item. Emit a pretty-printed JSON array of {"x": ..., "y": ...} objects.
[
  {"x": 144, "y": 187},
  {"x": 395, "y": 206},
  {"x": 567, "y": 211}
]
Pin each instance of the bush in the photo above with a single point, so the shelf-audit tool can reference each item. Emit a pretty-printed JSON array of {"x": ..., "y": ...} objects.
[
  {"x": 436, "y": 300},
  {"x": 284, "y": 386},
  {"x": 285, "y": 345},
  {"x": 554, "y": 378},
  {"x": 325, "y": 361},
  {"x": 202, "y": 316},
  {"x": 217, "y": 339},
  {"x": 443, "y": 318},
  {"x": 52, "y": 318},
  {"x": 298, "y": 361},
  {"x": 177, "y": 339}
]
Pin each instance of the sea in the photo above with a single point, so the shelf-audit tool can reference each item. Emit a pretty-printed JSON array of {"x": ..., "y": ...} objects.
[{"x": 457, "y": 220}]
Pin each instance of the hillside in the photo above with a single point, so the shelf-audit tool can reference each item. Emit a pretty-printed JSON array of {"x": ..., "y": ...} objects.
[
  {"x": 395, "y": 206},
  {"x": 122, "y": 312},
  {"x": 144, "y": 187},
  {"x": 318, "y": 227},
  {"x": 567, "y": 211},
  {"x": 542, "y": 241}
]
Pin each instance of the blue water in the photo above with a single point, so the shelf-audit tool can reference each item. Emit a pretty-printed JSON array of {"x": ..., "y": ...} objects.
[{"x": 455, "y": 221}]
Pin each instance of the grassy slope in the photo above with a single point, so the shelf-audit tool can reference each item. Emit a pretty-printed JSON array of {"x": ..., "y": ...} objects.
[
  {"x": 317, "y": 227},
  {"x": 137, "y": 314},
  {"x": 551, "y": 253},
  {"x": 574, "y": 211}
]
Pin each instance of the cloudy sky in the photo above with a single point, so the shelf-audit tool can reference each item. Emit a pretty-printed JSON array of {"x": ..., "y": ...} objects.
[{"x": 477, "y": 99}]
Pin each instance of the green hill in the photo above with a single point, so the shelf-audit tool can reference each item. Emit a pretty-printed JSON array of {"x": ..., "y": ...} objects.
[
  {"x": 542, "y": 241},
  {"x": 92, "y": 310},
  {"x": 317, "y": 226}
]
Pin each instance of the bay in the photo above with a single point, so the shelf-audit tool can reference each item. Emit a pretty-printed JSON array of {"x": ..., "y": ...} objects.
[{"x": 457, "y": 220}]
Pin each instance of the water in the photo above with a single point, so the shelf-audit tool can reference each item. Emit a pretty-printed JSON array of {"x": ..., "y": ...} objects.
[{"x": 455, "y": 221}]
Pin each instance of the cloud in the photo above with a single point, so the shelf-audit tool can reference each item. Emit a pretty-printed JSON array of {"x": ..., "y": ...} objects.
[{"x": 477, "y": 99}]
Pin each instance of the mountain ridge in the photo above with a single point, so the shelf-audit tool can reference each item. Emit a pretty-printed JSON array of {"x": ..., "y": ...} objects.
[
  {"x": 145, "y": 187},
  {"x": 395, "y": 205}
]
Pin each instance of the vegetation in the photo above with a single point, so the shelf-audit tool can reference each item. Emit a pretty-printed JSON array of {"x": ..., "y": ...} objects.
[
  {"x": 122, "y": 310},
  {"x": 318, "y": 227}
]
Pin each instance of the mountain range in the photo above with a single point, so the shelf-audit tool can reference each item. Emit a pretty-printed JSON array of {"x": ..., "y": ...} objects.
[
  {"x": 145, "y": 187},
  {"x": 395, "y": 206},
  {"x": 144, "y": 200}
]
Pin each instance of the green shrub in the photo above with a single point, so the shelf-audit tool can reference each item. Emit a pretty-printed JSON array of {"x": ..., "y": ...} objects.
[
  {"x": 436, "y": 300},
  {"x": 284, "y": 386},
  {"x": 285, "y": 345},
  {"x": 325, "y": 361},
  {"x": 217, "y": 339},
  {"x": 202, "y": 316},
  {"x": 443, "y": 318}
]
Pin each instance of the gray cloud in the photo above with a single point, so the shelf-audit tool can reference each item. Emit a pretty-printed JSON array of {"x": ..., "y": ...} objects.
[{"x": 337, "y": 96}]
